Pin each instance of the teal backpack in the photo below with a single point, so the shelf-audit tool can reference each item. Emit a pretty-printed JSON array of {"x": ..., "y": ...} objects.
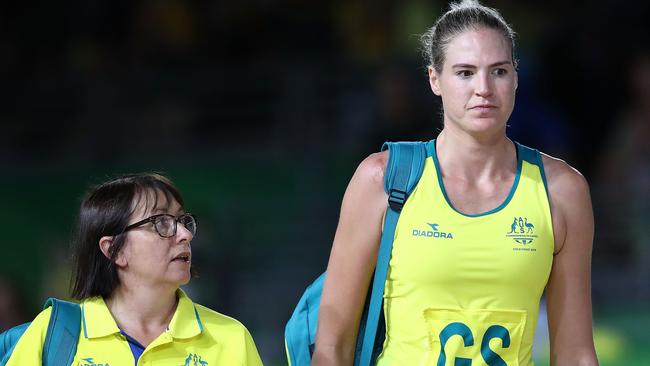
[
  {"x": 404, "y": 168},
  {"x": 60, "y": 344}
]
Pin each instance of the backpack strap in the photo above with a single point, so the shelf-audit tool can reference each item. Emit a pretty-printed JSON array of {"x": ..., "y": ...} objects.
[
  {"x": 8, "y": 341},
  {"x": 403, "y": 171},
  {"x": 60, "y": 344}
]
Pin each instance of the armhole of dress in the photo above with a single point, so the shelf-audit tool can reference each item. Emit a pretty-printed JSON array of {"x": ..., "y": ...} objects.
[
  {"x": 534, "y": 157},
  {"x": 540, "y": 164}
]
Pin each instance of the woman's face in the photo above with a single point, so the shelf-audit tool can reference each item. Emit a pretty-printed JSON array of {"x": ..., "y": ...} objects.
[
  {"x": 150, "y": 259},
  {"x": 477, "y": 82}
]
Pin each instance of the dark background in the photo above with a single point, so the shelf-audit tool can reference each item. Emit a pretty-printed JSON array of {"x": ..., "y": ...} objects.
[{"x": 260, "y": 111}]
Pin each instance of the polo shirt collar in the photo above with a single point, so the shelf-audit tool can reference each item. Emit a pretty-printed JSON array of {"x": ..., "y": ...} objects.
[
  {"x": 97, "y": 320},
  {"x": 186, "y": 322}
]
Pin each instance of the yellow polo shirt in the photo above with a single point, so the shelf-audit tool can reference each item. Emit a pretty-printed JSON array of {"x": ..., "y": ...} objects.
[{"x": 196, "y": 336}]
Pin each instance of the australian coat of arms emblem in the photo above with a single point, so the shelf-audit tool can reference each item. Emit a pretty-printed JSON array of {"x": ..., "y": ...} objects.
[{"x": 522, "y": 231}]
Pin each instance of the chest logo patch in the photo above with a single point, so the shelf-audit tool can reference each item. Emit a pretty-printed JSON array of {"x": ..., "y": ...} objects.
[
  {"x": 432, "y": 232},
  {"x": 522, "y": 231},
  {"x": 194, "y": 360}
]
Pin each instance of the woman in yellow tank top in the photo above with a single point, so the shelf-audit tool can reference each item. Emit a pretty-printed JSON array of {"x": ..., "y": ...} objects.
[{"x": 490, "y": 225}]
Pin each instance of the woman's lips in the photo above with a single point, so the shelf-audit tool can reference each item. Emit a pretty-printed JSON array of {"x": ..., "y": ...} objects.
[{"x": 484, "y": 107}]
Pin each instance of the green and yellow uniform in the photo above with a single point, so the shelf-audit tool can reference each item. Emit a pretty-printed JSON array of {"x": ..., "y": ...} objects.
[
  {"x": 196, "y": 336},
  {"x": 465, "y": 289}
]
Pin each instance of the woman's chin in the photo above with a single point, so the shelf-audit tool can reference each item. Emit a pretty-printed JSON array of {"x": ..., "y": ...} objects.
[
  {"x": 180, "y": 278},
  {"x": 479, "y": 125},
  {"x": 487, "y": 124}
]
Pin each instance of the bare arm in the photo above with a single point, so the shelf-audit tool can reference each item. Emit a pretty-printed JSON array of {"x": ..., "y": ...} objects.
[
  {"x": 569, "y": 287},
  {"x": 351, "y": 263}
]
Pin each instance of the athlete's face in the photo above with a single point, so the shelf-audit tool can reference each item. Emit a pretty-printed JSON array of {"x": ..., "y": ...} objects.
[
  {"x": 477, "y": 82},
  {"x": 151, "y": 259}
]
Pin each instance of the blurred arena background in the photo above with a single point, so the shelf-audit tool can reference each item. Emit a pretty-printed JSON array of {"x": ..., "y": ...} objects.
[{"x": 261, "y": 110}]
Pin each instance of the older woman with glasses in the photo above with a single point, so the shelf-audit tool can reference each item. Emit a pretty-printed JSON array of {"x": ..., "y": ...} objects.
[{"x": 132, "y": 252}]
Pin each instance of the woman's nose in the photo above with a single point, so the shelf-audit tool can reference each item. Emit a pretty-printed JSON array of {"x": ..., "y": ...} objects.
[{"x": 483, "y": 86}]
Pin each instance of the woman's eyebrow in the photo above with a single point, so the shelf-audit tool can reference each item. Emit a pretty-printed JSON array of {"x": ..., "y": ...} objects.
[
  {"x": 178, "y": 212},
  {"x": 158, "y": 210},
  {"x": 470, "y": 66},
  {"x": 506, "y": 62}
]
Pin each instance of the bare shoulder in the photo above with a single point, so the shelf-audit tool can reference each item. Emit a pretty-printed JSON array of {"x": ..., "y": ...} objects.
[
  {"x": 365, "y": 198},
  {"x": 570, "y": 202},
  {"x": 564, "y": 181},
  {"x": 372, "y": 169}
]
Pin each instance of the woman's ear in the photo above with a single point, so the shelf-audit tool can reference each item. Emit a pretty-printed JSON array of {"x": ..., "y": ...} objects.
[
  {"x": 434, "y": 81},
  {"x": 105, "y": 243}
]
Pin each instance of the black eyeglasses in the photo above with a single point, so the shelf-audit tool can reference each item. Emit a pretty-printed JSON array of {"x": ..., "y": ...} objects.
[{"x": 165, "y": 224}]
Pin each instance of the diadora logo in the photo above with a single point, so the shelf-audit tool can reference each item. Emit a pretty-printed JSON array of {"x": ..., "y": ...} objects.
[
  {"x": 522, "y": 231},
  {"x": 434, "y": 232},
  {"x": 89, "y": 362},
  {"x": 194, "y": 360}
]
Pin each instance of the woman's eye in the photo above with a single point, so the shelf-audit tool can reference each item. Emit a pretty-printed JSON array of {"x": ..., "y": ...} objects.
[
  {"x": 165, "y": 222},
  {"x": 464, "y": 73},
  {"x": 500, "y": 72}
]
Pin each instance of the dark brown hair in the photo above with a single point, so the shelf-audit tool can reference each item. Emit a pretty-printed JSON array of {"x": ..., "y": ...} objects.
[{"x": 105, "y": 211}]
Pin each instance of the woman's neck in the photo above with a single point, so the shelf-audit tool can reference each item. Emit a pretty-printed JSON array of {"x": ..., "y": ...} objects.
[
  {"x": 468, "y": 157},
  {"x": 143, "y": 313}
]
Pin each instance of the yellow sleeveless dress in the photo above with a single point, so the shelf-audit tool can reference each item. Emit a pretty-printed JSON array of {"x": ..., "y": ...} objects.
[{"x": 464, "y": 289}]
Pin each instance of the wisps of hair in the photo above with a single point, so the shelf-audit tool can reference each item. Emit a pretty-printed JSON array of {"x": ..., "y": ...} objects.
[{"x": 461, "y": 16}]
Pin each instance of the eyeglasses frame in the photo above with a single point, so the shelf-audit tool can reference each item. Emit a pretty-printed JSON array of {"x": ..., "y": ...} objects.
[{"x": 151, "y": 219}]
